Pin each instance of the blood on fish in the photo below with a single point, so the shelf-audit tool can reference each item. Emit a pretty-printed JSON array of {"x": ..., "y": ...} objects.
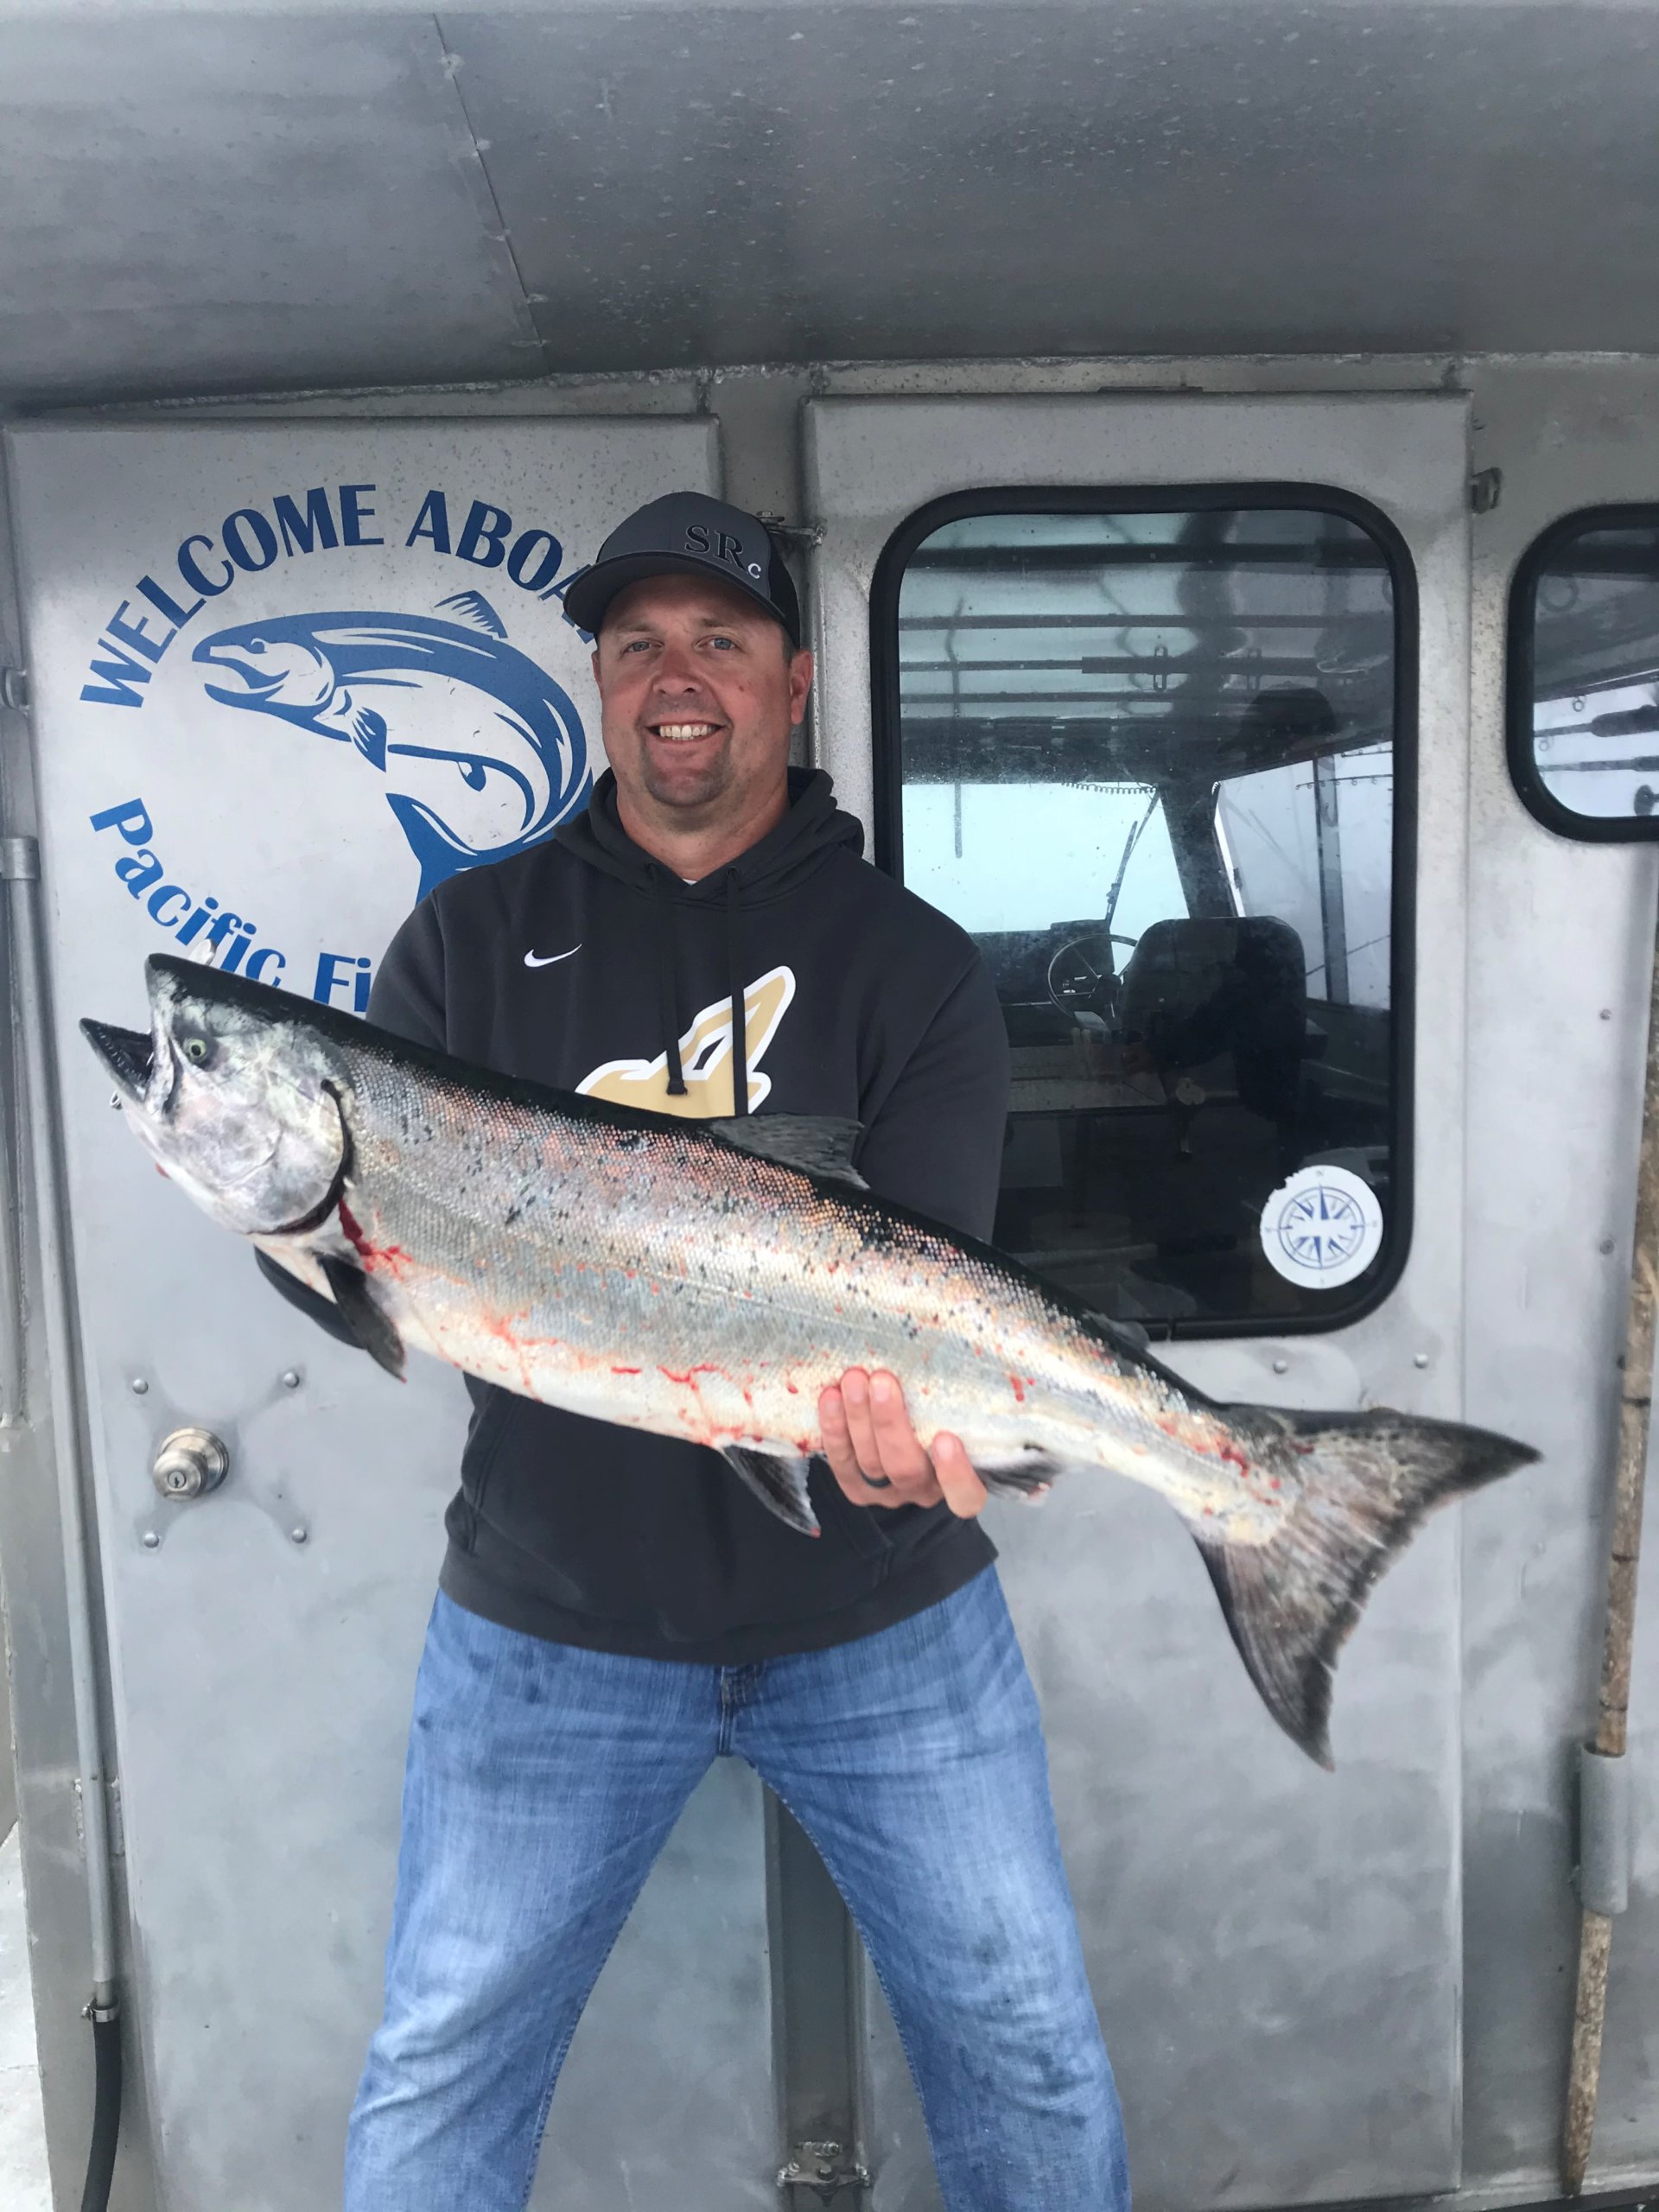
[
  {"x": 394, "y": 1254},
  {"x": 500, "y": 1327},
  {"x": 626, "y": 1371}
]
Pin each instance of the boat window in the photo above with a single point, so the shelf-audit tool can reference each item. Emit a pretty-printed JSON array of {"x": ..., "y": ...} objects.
[
  {"x": 1145, "y": 752},
  {"x": 1584, "y": 675}
]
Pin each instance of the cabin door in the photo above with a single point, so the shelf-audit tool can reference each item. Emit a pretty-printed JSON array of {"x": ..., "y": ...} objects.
[
  {"x": 231, "y": 751},
  {"x": 1166, "y": 702}
]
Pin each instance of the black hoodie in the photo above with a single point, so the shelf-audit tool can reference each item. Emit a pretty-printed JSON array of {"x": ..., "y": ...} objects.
[{"x": 585, "y": 964}]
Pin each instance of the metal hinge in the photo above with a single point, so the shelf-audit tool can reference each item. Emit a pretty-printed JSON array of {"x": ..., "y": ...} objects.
[
  {"x": 825, "y": 2168},
  {"x": 14, "y": 690},
  {"x": 114, "y": 1821}
]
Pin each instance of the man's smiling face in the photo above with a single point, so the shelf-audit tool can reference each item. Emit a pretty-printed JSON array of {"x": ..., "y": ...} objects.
[{"x": 700, "y": 689}]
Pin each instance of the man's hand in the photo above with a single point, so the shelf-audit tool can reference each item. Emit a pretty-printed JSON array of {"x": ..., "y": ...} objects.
[{"x": 877, "y": 1457}]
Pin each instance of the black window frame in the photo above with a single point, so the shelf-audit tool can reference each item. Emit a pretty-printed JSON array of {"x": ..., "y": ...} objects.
[
  {"x": 1530, "y": 786},
  {"x": 888, "y": 795}
]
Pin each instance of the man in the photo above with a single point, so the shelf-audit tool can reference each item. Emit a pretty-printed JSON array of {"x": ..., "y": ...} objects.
[{"x": 615, "y": 1609}]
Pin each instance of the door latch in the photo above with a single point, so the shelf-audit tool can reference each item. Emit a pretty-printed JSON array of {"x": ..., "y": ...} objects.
[{"x": 189, "y": 1463}]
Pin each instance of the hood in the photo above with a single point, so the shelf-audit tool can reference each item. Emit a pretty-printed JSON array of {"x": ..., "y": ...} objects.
[{"x": 812, "y": 827}]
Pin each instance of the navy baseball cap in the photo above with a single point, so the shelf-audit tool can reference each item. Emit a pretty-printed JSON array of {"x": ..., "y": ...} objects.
[{"x": 687, "y": 533}]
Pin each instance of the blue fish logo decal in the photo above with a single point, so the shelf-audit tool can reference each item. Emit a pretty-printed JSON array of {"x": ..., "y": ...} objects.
[{"x": 483, "y": 753}]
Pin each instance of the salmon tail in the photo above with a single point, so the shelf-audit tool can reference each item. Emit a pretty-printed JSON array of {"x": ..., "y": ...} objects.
[{"x": 1364, "y": 1483}]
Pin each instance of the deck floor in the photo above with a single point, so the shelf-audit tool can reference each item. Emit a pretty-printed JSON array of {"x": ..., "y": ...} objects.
[{"x": 23, "y": 2185}]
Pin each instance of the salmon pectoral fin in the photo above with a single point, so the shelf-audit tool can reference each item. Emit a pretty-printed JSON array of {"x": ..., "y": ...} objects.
[
  {"x": 1362, "y": 1483},
  {"x": 778, "y": 1480},
  {"x": 358, "y": 1310}
]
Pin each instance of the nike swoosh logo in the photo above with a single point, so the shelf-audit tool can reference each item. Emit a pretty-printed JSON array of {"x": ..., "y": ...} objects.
[{"x": 552, "y": 959}]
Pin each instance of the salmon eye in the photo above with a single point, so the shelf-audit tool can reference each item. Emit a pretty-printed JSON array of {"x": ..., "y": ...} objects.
[{"x": 198, "y": 1050}]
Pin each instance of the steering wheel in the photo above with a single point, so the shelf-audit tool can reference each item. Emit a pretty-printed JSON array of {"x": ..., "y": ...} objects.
[{"x": 1083, "y": 974}]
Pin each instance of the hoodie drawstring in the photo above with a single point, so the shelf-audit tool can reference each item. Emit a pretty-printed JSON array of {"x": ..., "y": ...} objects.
[
  {"x": 668, "y": 993},
  {"x": 735, "y": 977},
  {"x": 668, "y": 1011}
]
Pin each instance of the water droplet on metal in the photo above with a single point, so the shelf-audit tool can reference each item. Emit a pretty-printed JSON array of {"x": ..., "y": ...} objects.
[
  {"x": 291, "y": 1378},
  {"x": 138, "y": 1386},
  {"x": 151, "y": 1540}
]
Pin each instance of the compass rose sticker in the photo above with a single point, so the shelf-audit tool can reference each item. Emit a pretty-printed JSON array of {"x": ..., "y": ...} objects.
[{"x": 1322, "y": 1227}]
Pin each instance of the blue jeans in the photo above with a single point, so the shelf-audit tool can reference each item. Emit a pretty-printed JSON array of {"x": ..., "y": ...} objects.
[{"x": 542, "y": 1782}]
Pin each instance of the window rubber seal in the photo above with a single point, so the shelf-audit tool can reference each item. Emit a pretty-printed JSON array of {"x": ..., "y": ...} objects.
[
  {"x": 1530, "y": 786},
  {"x": 887, "y": 774}
]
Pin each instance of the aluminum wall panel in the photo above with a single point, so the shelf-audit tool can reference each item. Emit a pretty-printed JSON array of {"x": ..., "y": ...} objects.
[
  {"x": 821, "y": 182},
  {"x": 263, "y": 1652},
  {"x": 1561, "y": 952},
  {"x": 1275, "y": 1951},
  {"x": 216, "y": 201},
  {"x": 202, "y": 206}
]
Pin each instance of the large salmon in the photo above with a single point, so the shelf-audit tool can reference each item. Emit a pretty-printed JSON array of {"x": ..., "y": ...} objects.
[{"x": 706, "y": 1280}]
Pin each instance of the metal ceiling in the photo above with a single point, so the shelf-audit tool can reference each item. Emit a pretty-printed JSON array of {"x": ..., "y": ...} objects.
[{"x": 237, "y": 199}]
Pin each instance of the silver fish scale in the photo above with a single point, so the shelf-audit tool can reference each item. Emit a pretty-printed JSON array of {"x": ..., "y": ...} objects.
[{"x": 658, "y": 1276}]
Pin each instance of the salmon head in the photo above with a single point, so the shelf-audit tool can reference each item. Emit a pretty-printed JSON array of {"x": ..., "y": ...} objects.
[{"x": 237, "y": 1099}]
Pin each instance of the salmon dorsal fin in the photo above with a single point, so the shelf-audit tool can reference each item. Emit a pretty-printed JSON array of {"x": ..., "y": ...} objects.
[
  {"x": 818, "y": 1144},
  {"x": 1128, "y": 1333}
]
